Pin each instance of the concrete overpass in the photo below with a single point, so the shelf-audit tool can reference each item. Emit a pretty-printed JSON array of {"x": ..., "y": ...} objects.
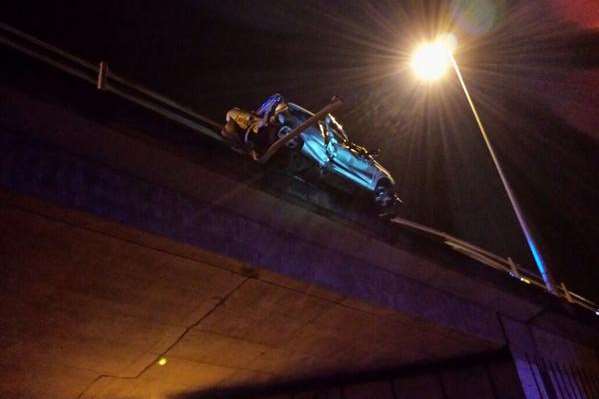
[{"x": 122, "y": 245}]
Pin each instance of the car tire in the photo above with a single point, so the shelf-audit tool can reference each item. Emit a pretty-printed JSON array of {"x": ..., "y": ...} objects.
[
  {"x": 294, "y": 145},
  {"x": 383, "y": 194}
]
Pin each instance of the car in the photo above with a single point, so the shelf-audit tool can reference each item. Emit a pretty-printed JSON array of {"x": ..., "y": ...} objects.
[{"x": 327, "y": 144}]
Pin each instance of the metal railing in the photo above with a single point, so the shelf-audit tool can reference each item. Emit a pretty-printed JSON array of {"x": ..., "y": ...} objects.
[
  {"x": 104, "y": 79},
  {"x": 506, "y": 265},
  {"x": 107, "y": 80}
]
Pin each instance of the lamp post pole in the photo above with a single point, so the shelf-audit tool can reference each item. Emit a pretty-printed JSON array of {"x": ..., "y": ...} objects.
[{"x": 545, "y": 273}]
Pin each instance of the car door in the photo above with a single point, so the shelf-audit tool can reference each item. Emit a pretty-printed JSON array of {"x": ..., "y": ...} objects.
[{"x": 345, "y": 161}]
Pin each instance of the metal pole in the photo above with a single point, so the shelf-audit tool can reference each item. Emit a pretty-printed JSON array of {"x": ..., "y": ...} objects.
[{"x": 545, "y": 274}]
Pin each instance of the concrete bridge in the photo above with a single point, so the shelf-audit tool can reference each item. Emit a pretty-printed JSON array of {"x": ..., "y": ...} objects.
[{"x": 138, "y": 267}]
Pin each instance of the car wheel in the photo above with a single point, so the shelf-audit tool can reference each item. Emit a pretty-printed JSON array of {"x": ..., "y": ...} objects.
[
  {"x": 293, "y": 145},
  {"x": 383, "y": 194},
  {"x": 298, "y": 163}
]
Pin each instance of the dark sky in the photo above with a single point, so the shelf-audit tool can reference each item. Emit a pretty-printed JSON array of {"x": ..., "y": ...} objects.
[{"x": 532, "y": 68}]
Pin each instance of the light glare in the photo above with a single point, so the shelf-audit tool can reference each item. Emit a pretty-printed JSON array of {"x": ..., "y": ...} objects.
[{"x": 431, "y": 60}]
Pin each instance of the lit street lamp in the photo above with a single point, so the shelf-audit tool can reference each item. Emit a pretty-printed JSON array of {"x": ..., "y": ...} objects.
[{"x": 430, "y": 62}]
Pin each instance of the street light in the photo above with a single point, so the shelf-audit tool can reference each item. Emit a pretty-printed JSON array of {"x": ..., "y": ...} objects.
[{"x": 430, "y": 62}]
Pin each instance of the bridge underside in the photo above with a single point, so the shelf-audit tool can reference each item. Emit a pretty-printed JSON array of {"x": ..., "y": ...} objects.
[
  {"x": 117, "y": 249},
  {"x": 85, "y": 300}
]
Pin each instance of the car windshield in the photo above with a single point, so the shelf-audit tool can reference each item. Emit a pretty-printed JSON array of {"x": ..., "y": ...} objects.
[{"x": 333, "y": 127}]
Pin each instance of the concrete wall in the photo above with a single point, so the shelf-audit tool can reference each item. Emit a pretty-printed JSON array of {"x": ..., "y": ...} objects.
[
  {"x": 492, "y": 378},
  {"x": 551, "y": 365},
  {"x": 502, "y": 378}
]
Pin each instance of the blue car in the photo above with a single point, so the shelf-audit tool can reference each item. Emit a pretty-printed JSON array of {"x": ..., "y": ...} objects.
[{"x": 327, "y": 144}]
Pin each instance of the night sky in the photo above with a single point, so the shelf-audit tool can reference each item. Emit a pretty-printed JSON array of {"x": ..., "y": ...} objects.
[{"x": 532, "y": 68}]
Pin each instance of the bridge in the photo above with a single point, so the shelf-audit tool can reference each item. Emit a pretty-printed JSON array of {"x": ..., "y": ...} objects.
[{"x": 141, "y": 259}]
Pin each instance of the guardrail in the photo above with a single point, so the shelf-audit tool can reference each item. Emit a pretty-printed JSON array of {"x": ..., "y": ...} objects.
[
  {"x": 101, "y": 76},
  {"x": 506, "y": 265}
]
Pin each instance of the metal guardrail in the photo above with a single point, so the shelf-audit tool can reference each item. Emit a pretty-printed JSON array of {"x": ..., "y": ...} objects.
[
  {"x": 506, "y": 265},
  {"x": 104, "y": 79}
]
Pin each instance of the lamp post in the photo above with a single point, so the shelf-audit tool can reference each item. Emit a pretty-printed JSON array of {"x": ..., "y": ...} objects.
[{"x": 430, "y": 62}]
